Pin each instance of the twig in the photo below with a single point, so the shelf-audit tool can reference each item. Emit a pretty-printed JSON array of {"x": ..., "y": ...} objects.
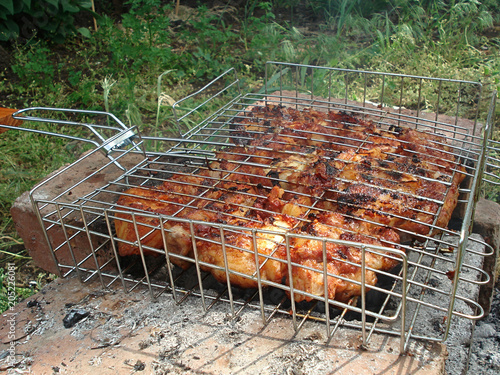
[
  {"x": 12, "y": 365},
  {"x": 93, "y": 10}
]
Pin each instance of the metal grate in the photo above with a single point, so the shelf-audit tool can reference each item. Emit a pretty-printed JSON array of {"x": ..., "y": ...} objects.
[{"x": 436, "y": 271}]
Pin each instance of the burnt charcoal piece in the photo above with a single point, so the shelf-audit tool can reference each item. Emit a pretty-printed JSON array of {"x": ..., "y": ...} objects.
[
  {"x": 33, "y": 303},
  {"x": 74, "y": 316},
  {"x": 139, "y": 366}
]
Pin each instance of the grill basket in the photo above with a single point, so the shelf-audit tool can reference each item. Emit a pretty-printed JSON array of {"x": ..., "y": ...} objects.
[{"x": 438, "y": 276}]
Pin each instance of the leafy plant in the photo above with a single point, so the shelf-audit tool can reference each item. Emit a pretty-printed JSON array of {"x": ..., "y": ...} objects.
[
  {"x": 11, "y": 293},
  {"x": 251, "y": 21},
  {"x": 33, "y": 63},
  {"x": 53, "y": 19},
  {"x": 142, "y": 41}
]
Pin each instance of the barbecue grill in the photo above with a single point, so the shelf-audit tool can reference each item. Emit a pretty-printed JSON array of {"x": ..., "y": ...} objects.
[{"x": 445, "y": 264}]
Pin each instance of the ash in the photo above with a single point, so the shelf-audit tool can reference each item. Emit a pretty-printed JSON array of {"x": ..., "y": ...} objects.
[{"x": 485, "y": 351}]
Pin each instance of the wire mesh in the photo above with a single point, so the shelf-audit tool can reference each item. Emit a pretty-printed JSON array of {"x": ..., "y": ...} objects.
[{"x": 438, "y": 272}]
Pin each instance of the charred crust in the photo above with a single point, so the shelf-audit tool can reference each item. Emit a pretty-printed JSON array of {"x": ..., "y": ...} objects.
[
  {"x": 396, "y": 175},
  {"x": 330, "y": 169},
  {"x": 366, "y": 177},
  {"x": 396, "y": 129}
]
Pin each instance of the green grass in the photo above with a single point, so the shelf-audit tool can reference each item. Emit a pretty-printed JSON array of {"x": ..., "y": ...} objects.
[
  {"x": 118, "y": 67},
  {"x": 9, "y": 293}
]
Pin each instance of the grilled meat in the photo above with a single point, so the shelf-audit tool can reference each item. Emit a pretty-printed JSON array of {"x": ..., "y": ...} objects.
[
  {"x": 253, "y": 245},
  {"x": 330, "y": 181},
  {"x": 165, "y": 199},
  {"x": 342, "y": 261},
  {"x": 195, "y": 199}
]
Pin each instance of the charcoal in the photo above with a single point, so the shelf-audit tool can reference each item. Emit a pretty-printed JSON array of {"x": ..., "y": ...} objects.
[{"x": 74, "y": 316}]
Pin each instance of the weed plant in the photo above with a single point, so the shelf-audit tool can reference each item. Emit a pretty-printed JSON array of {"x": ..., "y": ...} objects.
[
  {"x": 16, "y": 295},
  {"x": 117, "y": 67}
]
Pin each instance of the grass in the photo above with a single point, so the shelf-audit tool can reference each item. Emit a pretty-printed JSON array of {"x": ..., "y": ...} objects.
[{"x": 137, "y": 67}]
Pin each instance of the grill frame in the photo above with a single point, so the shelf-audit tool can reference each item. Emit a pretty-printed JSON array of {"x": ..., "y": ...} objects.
[{"x": 80, "y": 217}]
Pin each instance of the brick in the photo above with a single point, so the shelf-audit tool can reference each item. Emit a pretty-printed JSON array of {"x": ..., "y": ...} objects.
[
  {"x": 487, "y": 224},
  {"x": 30, "y": 230}
]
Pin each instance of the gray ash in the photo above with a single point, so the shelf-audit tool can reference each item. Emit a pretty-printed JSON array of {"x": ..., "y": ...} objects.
[{"x": 485, "y": 351}]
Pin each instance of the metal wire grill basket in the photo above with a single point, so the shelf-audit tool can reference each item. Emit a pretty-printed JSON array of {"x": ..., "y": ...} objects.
[{"x": 438, "y": 275}]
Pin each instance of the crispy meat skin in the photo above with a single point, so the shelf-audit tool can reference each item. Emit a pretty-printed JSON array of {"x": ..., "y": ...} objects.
[
  {"x": 240, "y": 251},
  {"x": 308, "y": 257},
  {"x": 399, "y": 177},
  {"x": 195, "y": 200},
  {"x": 307, "y": 173}
]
